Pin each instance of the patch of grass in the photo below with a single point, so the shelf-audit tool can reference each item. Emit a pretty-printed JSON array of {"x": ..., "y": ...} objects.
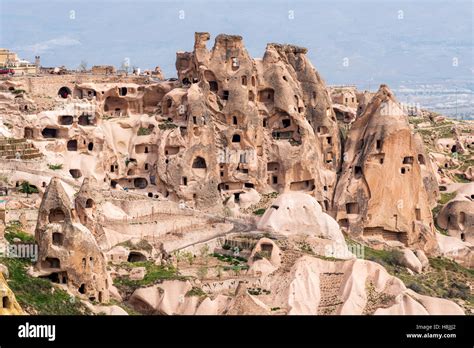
[
  {"x": 14, "y": 230},
  {"x": 195, "y": 291},
  {"x": 461, "y": 178},
  {"x": 416, "y": 120},
  {"x": 154, "y": 274},
  {"x": 259, "y": 212},
  {"x": 143, "y": 131},
  {"x": 446, "y": 197},
  {"x": 167, "y": 125},
  {"x": 234, "y": 260},
  {"x": 39, "y": 296},
  {"x": 387, "y": 258},
  {"x": 55, "y": 166}
]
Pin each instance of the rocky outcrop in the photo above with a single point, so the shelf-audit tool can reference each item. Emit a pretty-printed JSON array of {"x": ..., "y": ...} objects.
[
  {"x": 387, "y": 188},
  {"x": 296, "y": 215},
  {"x": 68, "y": 251}
]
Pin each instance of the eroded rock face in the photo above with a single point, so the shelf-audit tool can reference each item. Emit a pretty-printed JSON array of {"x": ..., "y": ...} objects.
[
  {"x": 230, "y": 124},
  {"x": 68, "y": 251},
  {"x": 387, "y": 187},
  {"x": 268, "y": 123}
]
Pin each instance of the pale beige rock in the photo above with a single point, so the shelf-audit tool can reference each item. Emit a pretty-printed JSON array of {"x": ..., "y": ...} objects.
[
  {"x": 266, "y": 249},
  {"x": 299, "y": 213},
  {"x": 410, "y": 261},
  {"x": 437, "y": 306},
  {"x": 456, "y": 249},
  {"x": 213, "y": 306},
  {"x": 68, "y": 251},
  {"x": 457, "y": 215},
  {"x": 387, "y": 186},
  {"x": 423, "y": 259},
  {"x": 167, "y": 298},
  {"x": 110, "y": 310}
]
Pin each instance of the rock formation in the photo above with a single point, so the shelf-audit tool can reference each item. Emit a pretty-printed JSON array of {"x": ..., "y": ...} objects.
[
  {"x": 386, "y": 189},
  {"x": 457, "y": 216},
  {"x": 68, "y": 251},
  {"x": 244, "y": 186}
]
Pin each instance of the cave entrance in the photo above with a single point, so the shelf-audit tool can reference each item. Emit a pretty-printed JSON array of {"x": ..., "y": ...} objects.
[
  {"x": 72, "y": 145},
  {"x": 199, "y": 162},
  {"x": 49, "y": 133},
  {"x": 56, "y": 215},
  {"x": 75, "y": 173},
  {"x": 136, "y": 256},
  {"x": 66, "y": 120},
  {"x": 58, "y": 238},
  {"x": 64, "y": 92},
  {"x": 28, "y": 133}
]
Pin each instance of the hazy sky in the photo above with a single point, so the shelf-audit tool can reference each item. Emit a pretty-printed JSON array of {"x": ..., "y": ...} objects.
[{"x": 392, "y": 41}]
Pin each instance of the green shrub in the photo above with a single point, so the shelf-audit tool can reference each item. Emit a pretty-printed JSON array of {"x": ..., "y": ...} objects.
[
  {"x": 167, "y": 125},
  {"x": 55, "y": 166},
  {"x": 27, "y": 188},
  {"x": 13, "y": 231},
  {"x": 415, "y": 287},
  {"x": 144, "y": 131},
  {"x": 195, "y": 291}
]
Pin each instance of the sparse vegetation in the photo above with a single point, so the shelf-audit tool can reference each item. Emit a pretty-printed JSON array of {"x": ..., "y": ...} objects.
[
  {"x": 258, "y": 291},
  {"x": 234, "y": 260},
  {"x": 195, "y": 291},
  {"x": 140, "y": 245},
  {"x": 18, "y": 91},
  {"x": 446, "y": 197},
  {"x": 27, "y": 188},
  {"x": 39, "y": 296},
  {"x": 154, "y": 274},
  {"x": 14, "y": 230},
  {"x": 167, "y": 125},
  {"x": 55, "y": 166},
  {"x": 143, "y": 131},
  {"x": 461, "y": 178},
  {"x": 202, "y": 272},
  {"x": 259, "y": 212}
]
